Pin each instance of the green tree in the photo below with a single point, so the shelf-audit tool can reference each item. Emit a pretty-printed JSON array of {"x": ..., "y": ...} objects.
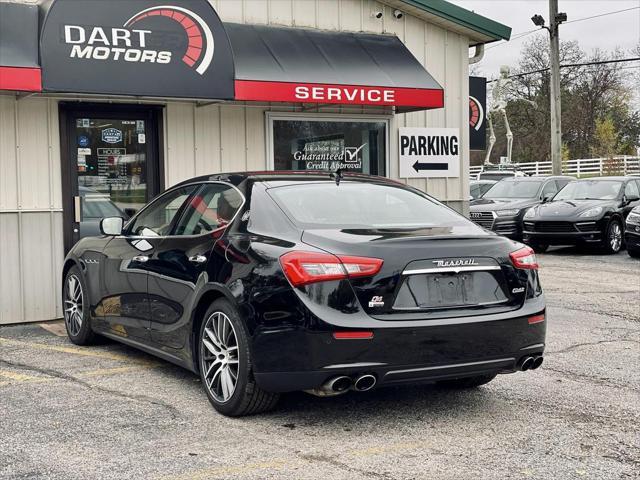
[{"x": 605, "y": 139}]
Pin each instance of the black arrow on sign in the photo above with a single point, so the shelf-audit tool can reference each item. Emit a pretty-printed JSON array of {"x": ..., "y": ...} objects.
[{"x": 430, "y": 166}]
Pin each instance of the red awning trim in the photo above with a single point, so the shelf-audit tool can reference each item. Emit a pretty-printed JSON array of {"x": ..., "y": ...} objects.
[
  {"x": 250, "y": 90},
  {"x": 20, "y": 79}
]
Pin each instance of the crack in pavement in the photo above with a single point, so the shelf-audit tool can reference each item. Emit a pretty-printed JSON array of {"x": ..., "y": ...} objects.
[
  {"x": 173, "y": 411},
  {"x": 343, "y": 466},
  {"x": 591, "y": 378},
  {"x": 622, "y": 316},
  {"x": 589, "y": 344}
]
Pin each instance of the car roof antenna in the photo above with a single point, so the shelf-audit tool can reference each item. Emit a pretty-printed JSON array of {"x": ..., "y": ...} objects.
[{"x": 337, "y": 175}]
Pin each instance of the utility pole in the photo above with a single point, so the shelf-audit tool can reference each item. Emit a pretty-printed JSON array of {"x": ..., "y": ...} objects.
[{"x": 556, "y": 107}]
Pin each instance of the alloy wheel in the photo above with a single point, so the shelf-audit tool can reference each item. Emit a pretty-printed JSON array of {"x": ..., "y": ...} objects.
[
  {"x": 219, "y": 358},
  {"x": 615, "y": 237},
  {"x": 73, "y": 305}
]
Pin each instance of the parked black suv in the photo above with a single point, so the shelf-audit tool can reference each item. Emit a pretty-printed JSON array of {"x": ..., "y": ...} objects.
[
  {"x": 591, "y": 211},
  {"x": 501, "y": 209}
]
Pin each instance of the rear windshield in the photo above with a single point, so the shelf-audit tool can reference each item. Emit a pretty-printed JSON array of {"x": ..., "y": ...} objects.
[
  {"x": 361, "y": 205},
  {"x": 514, "y": 189}
]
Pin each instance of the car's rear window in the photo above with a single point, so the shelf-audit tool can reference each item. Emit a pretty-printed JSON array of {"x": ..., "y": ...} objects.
[{"x": 361, "y": 205}]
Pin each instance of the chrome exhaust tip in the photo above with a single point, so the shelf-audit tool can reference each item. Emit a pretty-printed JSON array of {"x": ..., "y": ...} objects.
[
  {"x": 526, "y": 363},
  {"x": 339, "y": 384},
  {"x": 332, "y": 387},
  {"x": 537, "y": 362},
  {"x": 364, "y": 383}
]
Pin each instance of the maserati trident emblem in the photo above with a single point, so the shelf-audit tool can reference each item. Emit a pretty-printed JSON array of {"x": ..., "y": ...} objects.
[{"x": 460, "y": 262}]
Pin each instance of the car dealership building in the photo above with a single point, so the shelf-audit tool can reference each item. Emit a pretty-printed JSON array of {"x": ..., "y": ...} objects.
[{"x": 104, "y": 104}]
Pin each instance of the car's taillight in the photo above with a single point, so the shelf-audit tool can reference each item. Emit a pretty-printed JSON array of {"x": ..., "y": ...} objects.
[
  {"x": 302, "y": 268},
  {"x": 524, "y": 258}
]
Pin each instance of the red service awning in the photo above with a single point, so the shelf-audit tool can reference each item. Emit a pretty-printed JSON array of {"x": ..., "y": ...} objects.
[{"x": 281, "y": 64}]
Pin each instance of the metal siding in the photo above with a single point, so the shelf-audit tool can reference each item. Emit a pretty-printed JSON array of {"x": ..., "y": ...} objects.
[
  {"x": 180, "y": 155},
  {"x": 8, "y": 161},
  {"x": 208, "y": 139},
  {"x": 328, "y": 15},
  {"x": 233, "y": 137},
  {"x": 10, "y": 284},
  {"x": 40, "y": 283},
  {"x": 256, "y": 11},
  {"x": 33, "y": 153},
  {"x": 30, "y": 210}
]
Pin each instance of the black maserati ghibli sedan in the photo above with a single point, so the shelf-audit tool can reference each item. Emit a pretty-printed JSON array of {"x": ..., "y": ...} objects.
[
  {"x": 502, "y": 207},
  {"x": 271, "y": 282},
  {"x": 585, "y": 212}
]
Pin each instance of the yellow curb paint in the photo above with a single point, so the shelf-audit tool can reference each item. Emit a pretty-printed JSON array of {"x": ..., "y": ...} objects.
[{"x": 19, "y": 377}]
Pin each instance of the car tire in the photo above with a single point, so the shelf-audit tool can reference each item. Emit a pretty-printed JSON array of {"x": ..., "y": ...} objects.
[
  {"x": 469, "y": 382},
  {"x": 76, "y": 306},
  {"x": 633, "y": 252},
  {"x": 539, "y": 248},
  {"x": 613, "y": 238},
  {"x": 224, "y": 353}
]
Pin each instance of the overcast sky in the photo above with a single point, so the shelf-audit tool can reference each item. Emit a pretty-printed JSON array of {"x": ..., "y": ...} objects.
[{"x": 606, "y": 32}]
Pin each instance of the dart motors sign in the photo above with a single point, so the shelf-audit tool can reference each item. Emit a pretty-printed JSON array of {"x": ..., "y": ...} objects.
[
  {"x": 429, "y": 152},
  {"x": 145, "y": 48}
]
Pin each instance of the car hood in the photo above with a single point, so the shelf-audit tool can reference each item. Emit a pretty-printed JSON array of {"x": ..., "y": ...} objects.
[
  {"x": 568, "y": 208},
  {"x": 493, "y": 204}
]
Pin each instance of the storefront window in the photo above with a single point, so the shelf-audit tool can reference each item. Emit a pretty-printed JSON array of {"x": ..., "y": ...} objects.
[
  {"x": 111, "y": 164},
  {"x": 355, "y": 146}
]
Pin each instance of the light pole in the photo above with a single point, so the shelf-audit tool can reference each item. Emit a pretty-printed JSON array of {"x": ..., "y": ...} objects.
[{"x": 554, "y": 59}]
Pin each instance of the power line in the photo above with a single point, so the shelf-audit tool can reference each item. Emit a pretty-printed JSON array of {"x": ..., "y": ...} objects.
[
  {"x": 520, "y": 35},
  {"x": 601, "y": 15},
  {"x": 569, "y": 65}
]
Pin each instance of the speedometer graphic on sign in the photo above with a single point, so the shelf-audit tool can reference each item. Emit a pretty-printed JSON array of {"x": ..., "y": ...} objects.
[{"x": 476, "y": 113}]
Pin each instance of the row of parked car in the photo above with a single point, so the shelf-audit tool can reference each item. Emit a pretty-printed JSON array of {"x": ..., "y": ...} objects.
[{"x": 602, "y": 212}]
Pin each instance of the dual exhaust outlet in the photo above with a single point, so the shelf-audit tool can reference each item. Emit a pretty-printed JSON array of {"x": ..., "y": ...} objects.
[
  {"x": 342, "y": 384},
  {"x": 530, "y": 363}
]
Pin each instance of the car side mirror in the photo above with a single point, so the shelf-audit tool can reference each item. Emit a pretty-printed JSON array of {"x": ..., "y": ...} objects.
[
  {"x": 111, "y": 225},
  {"x": 546, "y": 198}
]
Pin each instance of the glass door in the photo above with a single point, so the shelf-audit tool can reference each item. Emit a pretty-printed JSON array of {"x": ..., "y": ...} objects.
[{"x": 112, "y": 166}]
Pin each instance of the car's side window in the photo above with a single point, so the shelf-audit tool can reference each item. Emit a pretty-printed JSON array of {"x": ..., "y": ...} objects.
[
  {"x": 211, "y": 208},
  {"x": 631, "y": 190},
  {"x": 157, "y": 219},
  {"x": 550, "y": 189}
]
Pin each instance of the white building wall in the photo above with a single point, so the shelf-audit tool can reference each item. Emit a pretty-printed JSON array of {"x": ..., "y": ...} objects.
[
  {"x": 31, "y": 243},
  {"x": 198, "y": 140}
]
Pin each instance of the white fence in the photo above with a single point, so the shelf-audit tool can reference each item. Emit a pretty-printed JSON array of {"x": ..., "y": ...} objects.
[{"x": 584, "y": 167}]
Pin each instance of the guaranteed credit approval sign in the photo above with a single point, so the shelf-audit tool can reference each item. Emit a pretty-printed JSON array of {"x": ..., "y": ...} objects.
[{"x": 429, "y": 152}]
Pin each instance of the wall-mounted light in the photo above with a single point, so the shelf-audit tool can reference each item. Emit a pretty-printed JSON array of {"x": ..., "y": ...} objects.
[{"x": 398, "y": 14}]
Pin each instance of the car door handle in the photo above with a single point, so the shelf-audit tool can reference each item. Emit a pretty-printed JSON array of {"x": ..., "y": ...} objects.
[
  {"x": 140, "y": 258},
  {"x": 197, "y": 259}
]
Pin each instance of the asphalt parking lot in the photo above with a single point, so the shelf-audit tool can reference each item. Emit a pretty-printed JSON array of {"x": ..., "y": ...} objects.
[{"x": 110, "y": 412}]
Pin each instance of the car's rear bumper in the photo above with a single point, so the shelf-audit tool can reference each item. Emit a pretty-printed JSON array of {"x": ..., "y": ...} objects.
[{"x": 296, "y": 359}]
